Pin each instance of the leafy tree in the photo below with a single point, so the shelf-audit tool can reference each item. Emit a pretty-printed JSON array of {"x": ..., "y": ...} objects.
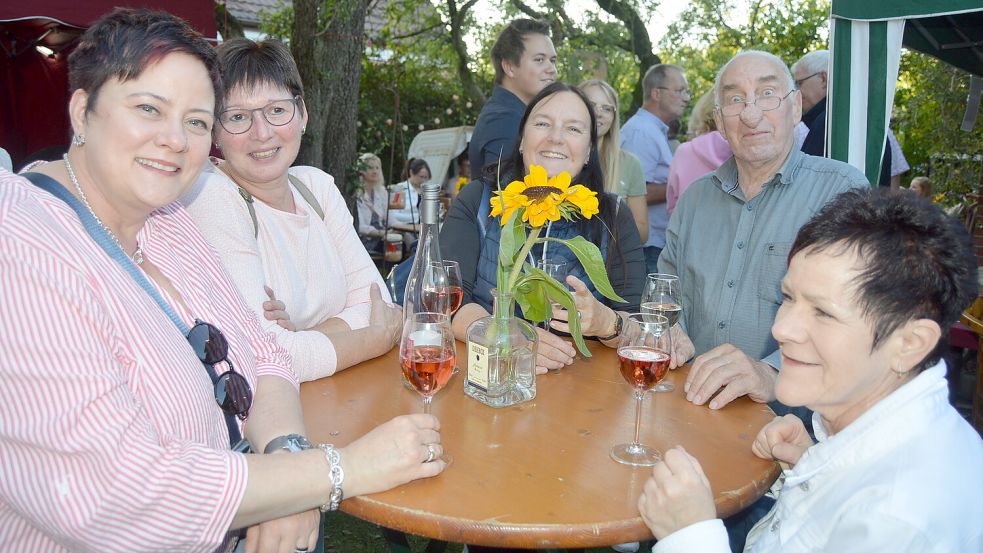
[
  {"x": 928, "y": 110},
  {"x": 710, "y": 32}
]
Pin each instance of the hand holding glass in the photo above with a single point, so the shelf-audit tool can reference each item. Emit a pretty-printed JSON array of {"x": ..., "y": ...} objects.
[{"x": 644, "y": 357}]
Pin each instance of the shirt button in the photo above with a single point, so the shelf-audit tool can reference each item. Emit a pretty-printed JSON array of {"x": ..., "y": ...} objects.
[
  {"x": 749, "y": 207},
  {"x": 805, "y": 486},
  {"x": 721, "y": 324},
  {"x": 775, "y": 525},
  {"x": 730, "y": 283},
  {"x": 740, "y": 245}
]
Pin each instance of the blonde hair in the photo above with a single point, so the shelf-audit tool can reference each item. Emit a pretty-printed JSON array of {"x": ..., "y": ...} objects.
[
  {"x": 609, "y": 145},
  {"x": 366, "y": 158},
  {"x": 701, "y": 120}
]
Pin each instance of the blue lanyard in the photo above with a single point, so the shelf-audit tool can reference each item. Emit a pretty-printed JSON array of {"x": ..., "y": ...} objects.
[{"x": 102, "y": 238}]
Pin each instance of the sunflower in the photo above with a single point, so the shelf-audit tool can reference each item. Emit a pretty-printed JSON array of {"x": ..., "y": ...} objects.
[{"x": 544, "y": 199}]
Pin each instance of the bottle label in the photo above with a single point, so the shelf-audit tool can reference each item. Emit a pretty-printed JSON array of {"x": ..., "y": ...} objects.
[{"x": 478, "y": 366}]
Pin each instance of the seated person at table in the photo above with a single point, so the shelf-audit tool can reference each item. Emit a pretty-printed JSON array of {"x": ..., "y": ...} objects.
[
  {"x": 874, "y": 282},
  {"x": 116, "y": 419},
  {"x": 372, "y": 204},
  {"x": 293, "y": 240},
  {"x": 407, "y": 216},
  {"x": 559, "y": 133}
]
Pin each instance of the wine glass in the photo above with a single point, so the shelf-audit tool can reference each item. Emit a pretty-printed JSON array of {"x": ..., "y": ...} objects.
[
  {"x": 435, "y": 292},
  {"x": 644, "y": 356},
  {"x": 558, "y": 271},
  {"x": 453, "y": 271},
  {"x": 662, "y": 297},
  {"x": 427, "y": 353}
]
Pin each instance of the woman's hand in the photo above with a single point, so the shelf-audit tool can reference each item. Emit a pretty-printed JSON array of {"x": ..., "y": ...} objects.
[
  {"x": 276, "y": 310},
  {"x": 784, "y": 439},
  {"x": 554, "y": 352},
  {"x": 596, "y": 319},
  {"x": 391, "y": 454},
  {"x": 385, "y": 321},
  {"x": 285, "y": 535},
  {"x": 676, "y": 495}
]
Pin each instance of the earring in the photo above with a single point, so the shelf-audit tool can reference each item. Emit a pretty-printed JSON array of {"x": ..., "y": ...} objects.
[
  {"x": 901, "y": 374},
  {"x": 78, "y": 140},
  {"x": 303, "y": 130}
]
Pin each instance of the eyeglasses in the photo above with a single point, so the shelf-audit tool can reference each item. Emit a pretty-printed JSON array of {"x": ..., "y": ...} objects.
[
  {"x": 764, "y": 103},
  {"x": 277, "y": 113},
  {"x": 232, "y": 391},
  {"x": 607, "y": 109},
  {"x": 798, "y": 82},
  {"x": 680, "y": 91}
]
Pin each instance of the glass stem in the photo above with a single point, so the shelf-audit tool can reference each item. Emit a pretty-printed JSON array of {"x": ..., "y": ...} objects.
[
  {"x": 427, "y": 400},
  {"x": 638, "y": 415}
]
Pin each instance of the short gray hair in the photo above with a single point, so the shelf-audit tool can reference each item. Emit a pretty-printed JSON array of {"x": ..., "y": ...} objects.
[
  {"x": 813, "y": 62},
  {"x": 656, "y": 76},
  {"x": 784, "y": 73}
]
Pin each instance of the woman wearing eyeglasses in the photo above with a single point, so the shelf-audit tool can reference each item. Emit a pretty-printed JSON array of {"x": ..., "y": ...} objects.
[
  {"x": 622, "y": 170},
  {"x": 128, "y": 362},
  {"x": 284, "y": 233}
]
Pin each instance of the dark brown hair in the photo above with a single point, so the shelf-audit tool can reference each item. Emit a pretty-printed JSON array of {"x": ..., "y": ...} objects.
[
  {"x": 510, "y": 44},
  {"x": 124, "y": 42},
  {"x": 247, "y": 63}
]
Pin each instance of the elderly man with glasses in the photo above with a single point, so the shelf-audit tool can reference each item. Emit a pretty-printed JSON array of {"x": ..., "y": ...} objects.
[
  {"x": 729, "y": 237},
  {"x": 730, "y": 234}
]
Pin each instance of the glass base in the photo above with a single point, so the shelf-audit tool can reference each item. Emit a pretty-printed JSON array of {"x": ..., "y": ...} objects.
[
  {"x": 664, "y": 387},
  {"x": 636, "y": 455}
]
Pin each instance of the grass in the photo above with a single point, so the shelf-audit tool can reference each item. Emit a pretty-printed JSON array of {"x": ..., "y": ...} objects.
[{"x": 347, "y": 534}]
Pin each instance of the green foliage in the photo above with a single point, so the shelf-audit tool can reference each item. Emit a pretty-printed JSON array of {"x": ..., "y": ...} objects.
[
  {"x": 710, "y": 32},
  {"x": 928, "y": 110}
]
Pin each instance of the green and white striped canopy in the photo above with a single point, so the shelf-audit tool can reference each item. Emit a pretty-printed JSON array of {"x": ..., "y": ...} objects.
[{"x": 866, "y": 37}]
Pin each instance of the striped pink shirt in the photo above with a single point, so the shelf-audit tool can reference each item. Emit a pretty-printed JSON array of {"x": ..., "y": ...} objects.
[{"x": 110, "y": 437}]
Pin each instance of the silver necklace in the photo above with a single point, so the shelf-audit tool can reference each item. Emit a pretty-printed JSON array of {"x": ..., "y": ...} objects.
[{"x": 137, "y": 256}]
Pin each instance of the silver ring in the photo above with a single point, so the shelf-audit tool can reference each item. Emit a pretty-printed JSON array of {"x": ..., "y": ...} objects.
[
  {"x": 300, "y": 550},
  {"x": 431, "y": 453}
]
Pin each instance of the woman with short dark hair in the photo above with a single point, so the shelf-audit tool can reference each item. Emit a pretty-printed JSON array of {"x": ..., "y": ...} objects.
[
  {"x": 285, "y": 233},
  {"x": 874, "y": 282},
  {"x": 130, "y": 366}
]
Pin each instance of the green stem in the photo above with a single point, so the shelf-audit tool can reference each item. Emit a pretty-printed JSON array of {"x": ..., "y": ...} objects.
[{"x": 520, "y": 259}]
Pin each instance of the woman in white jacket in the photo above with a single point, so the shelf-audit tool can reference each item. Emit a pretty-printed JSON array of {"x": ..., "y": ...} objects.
[{"x": 875, "y": 279}]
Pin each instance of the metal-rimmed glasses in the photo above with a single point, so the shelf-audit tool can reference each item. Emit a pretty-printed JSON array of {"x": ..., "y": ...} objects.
[
  {"x": 764, "y": 103},
  {"x": 798, "y": 82},
  {"x": 277, "y": 113},
  {"x": 232, "y": 391},
  {"x": 603, "y": 108}
]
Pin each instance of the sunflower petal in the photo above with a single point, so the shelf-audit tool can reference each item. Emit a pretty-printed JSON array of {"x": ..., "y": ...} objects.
[{"x": 561, "y": 181}]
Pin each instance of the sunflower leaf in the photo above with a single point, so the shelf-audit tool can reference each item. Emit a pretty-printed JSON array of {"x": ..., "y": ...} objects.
[
  {"x": 590, "y": 259},
  {"x": 530, "y": 294},
  {"x": 559, "y": 293}
]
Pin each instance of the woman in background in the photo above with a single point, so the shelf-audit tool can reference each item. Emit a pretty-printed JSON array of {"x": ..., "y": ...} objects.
[
  {"x": 407, "y": 217},
  {"x": 705, "y": 150},
  {"x": 372, "y": 204},
  {"x": 622, "y": 171}
]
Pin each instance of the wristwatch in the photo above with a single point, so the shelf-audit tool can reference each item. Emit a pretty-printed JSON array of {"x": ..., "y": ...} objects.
[
  {"x": 618, "y": 323},
  {"x": 289, "y": 442}
]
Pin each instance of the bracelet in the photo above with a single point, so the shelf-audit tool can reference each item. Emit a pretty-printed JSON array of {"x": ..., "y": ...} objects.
[{"x": 333, "y": 458}]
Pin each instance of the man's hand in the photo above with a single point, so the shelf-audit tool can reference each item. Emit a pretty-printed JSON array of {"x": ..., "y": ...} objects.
[
  {"x": 676, "y": 495},
  {"x": 784, "y": 439},
  {"x": 682, "y": 347},
  {"x": 729, "y": 371}
]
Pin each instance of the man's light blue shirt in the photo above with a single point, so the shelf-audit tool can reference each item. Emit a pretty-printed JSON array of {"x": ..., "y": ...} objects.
[
  {"x": 647, "y": 136},
  {"x": 730, "y": 253}
]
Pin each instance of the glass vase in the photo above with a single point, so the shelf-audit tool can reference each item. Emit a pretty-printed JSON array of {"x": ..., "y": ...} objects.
[{"x": 501, "y": 369}]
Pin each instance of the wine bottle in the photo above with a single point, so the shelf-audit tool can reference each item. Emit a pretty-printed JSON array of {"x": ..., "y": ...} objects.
[{"x": 427, "y": 272}]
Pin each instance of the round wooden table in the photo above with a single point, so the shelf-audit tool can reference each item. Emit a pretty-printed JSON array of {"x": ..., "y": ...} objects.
[{"x": 539, "y": 475}]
